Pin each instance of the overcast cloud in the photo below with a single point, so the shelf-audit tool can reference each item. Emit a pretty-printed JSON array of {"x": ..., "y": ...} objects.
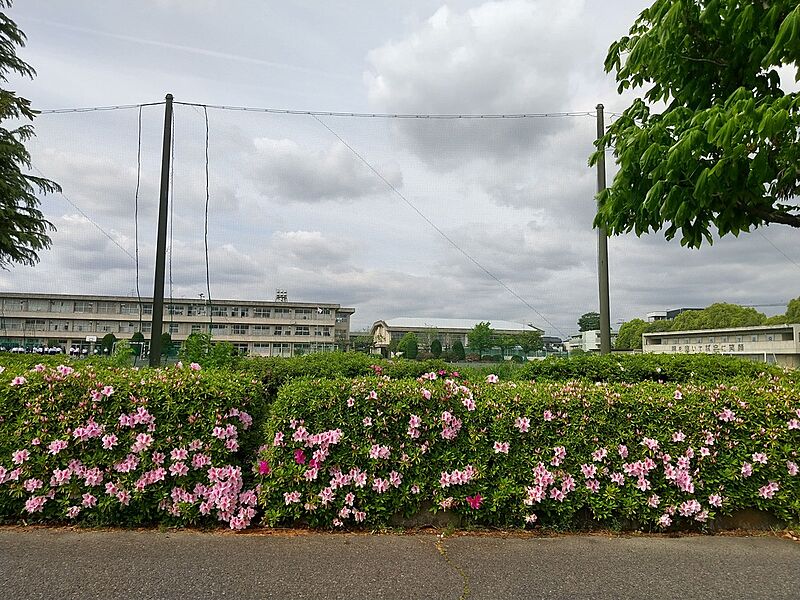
[{"x": 291, "y": 206}]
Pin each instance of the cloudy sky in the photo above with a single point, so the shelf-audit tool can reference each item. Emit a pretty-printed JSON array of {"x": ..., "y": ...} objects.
[{"x": 395, "y": 217}]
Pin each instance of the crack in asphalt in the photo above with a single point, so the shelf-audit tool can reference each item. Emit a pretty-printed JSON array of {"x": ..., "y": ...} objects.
[{"x": 440, "y": 547}]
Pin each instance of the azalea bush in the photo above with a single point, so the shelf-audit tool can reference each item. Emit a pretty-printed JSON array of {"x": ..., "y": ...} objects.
[
  {"x": 125, "y": 447},
  {"x": 656, "y": 455}
]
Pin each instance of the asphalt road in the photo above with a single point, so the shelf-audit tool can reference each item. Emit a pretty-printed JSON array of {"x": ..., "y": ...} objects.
[{"x": 65, "y": 564}]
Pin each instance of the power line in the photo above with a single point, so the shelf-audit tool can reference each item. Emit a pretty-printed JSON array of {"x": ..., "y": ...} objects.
[
  {"x": 83, "y": 109},
  {"x": 326, "y": 113},
  {"x": 435, "y": 227},
  {"x": 781, "y": 252}
]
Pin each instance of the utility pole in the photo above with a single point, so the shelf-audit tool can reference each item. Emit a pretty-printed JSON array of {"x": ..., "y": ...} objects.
[
  {"x": 161, "y": 242},
  {"x": 602, "y": 245}
]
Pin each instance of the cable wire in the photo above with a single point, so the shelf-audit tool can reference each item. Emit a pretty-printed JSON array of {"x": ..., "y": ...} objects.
[
  {"x": 325, "y": 113},
  {"x": 435, "y": 227},
  {"x": 205, "y": 232},
  {"x": 61, "y": 111},
  {"x": 136, "y": 212}
]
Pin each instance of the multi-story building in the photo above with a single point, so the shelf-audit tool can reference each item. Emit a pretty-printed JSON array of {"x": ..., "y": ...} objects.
[
  {"x": 588, "y": 341},
  {"x": 279, "y": 328},
  {"x": 778, "y": 344}
]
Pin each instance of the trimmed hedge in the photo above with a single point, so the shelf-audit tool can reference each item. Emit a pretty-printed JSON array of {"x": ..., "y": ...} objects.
[
  {"x": 127, "y": 447},
  {"x": 510, "y": 454}
]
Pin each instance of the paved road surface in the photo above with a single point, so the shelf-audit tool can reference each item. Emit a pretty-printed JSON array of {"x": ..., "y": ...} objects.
[{"x": 65, "y": 564}]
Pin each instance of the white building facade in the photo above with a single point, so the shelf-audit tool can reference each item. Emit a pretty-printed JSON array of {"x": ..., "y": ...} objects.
[
  {"x": 279, "y": 328},
  {"x": 588, "y": 341},
  {"x": 776, "y": 344}
]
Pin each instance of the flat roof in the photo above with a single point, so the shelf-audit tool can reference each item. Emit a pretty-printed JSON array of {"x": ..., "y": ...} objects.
[{"x": 723, "y": 330}]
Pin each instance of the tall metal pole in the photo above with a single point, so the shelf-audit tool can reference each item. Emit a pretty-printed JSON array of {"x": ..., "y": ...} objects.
[
  {"x": 602, "y": 245},
  {"x": 161, "y": 242}
]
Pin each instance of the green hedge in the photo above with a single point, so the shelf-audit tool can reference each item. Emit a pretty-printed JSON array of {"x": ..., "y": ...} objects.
[
  {"x": 689, "y": 449},
  {"x": 127, "y": 447},
  {"x": 644, "y": 367}
]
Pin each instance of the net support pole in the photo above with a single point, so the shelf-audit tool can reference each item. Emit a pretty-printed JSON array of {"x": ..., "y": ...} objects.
[
  {"x": 602, "y": 244},
  {"x": 161, "y": 242}
]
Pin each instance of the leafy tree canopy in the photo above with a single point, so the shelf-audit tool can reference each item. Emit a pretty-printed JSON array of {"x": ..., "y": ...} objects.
[
  {"x": 458, "y": 350},
  {"x": 436, "y": 348},
  {"x": 719, "y": 315},
  {"x": 529, "y": 341},
  {"x": 23, "y": 228},
  {"x": 480, "y": 338},
  {"x": 630, "y": 335},
  {"x": 724, "y": 150},
  {"x": 409, "y": 345},
  {"x": 589, "y": 321}
]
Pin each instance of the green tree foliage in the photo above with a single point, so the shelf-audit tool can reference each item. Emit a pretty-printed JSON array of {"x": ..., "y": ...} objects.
[
  {"x": 480, "y": 338},
  {"x": 123, "y": 351},
  {"x": 23, "y": 228},
  {"x": 361, "y": 343},
  {"x": 719, "y": 315},
  {"x": 137, "y": 339},
  {"x": 166, "y": 343},
  {"x": 409, "y": 345},
  {"x": 724, "y": 151},
  {"x": 458, "y": 350},
  {"x": 793, "y": 311},
  {"x": 589, "y": 321},
  {"x": 436, "y": 348},
  {"x": 630, "y": 335},
  {"x": 529, "y": 341},
  {"x": 107, "y": 343},
  {"x": 504, "y": 341}
]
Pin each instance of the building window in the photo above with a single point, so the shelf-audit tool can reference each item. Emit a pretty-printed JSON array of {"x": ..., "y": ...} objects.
[
  {"x": 259, "y": 312},
  {"x": 260, "y": 329},
  {"x": 301, "y": 330},
  {"x": 241, "y": 349},
  {"x": 282, "y": 313},
  {"x": 147, "y": 309},
  {"x": 147, "y": 327},
  {"x": 738, "y": 339},
  {"x": 196, "y": 310},
  {"x": 240, "y": 329},
  {"x": 278, "y": 330},
  {"x": 174, "y": 328},
  {"x": 82, "y": 307},
  {"x": 769, "y": 338},
  {"x": 753, "y": 338},
  {"x": 240, "y": 311},
  {"x": 711, "y": 340},
  {"x": 302, "y": 313},
  {"x": 175, "y": 310},
  {"x": 219, "y": 311},
  {"x": 196, "y": 328},
  {"x": 218, "y": 328}
]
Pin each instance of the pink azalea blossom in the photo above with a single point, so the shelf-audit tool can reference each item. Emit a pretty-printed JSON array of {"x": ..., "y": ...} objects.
[
  {"x": 373, "y": 395},
  {"x": 73, "y": 511},
  {"x": 367, "y": 421},
  {"x": 653, "y": 501},
  {"x": 677, "y": 395},
  {"x": 547, "y": 415},
  {"x": 589, "y": 471},
  {"x": 759, "y": 457},
  {"x": 380, "y": 485},
  {"x": 395, "y": 478},
  {"x": 793, "y": 424},
  {"x": 530, "y": 519},
  {"x": 20, "y": 380},
  {"x": 351, "y": 402},
  {"x": 768, "y": 491},
  {"x": 715, "y": 500},
  {"x": 474, "y": 501},
  {"x": 31, "y": 485},
  {"x": 678, "y": 436},
  {"x": 650, "y": 443},
  {"x": 622, "y": 450},
  {"x": 523, "y": 424},
  {"x": 263, "y": 467},
  {"x": 618, "y": 478},
  {"x": 278, "y": 440},
  {"x": 665, "y": 520},
  {"x": 194, "y": 366},
  {"x": 557, "y": 495},
  {"x": 492, "y": 378},
  {"x": 107, "y": 391},
  {"x": 57, "y": 446},
  {"x": 501, "y": 447},
  {"x": 415, "y": 489},
  {"x": 88, "y": 500},
  {"x": 291, "y": 497},
  {"x": 35, "y": 504},
  {"x": 20, "y": 456},
  {"x": 599, "y": 454},
  {"x": 592, "y": 485},
  {"x": 791, "y": 467}
]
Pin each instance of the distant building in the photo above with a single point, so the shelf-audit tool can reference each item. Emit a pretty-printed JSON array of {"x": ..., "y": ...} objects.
[
  {"x": 447, "y": 331},
  {"x": 667, "y": 315},
  {"x": 588, "y": 341},
  {"x": 68, "y": 321},
  {"x": 778, "y": 344}
]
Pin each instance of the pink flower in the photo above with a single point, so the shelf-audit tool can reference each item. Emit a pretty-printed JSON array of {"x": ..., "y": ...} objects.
[
  {"x": 665, "y": 520},
  {"x": 179, "y": 454},
  {"x": 359, "y": 516},
  {"x": 650, "y": 443},
  {"x": 39, "y": 368},
  {"x": 678, "y": 436},
  {"x": 592, "y": 485},
  {"x": 107, "y": 391},
  {"x": 73, "y": 511},
  {"x": 677, "y": 395},
  {"x": 31, "y": 485},
  {"x": 124, "y": 497},
  {"x": 653, "y": 501},
  {"x": 759, "y": 457},
  {"x": 327, "y": 496},
  {"x": 426, "y": 393},
  {"x": 768, "y": 491},
  {"x": 589, "y": 471},
  {"x": 263, "y": 467},
  {"x": 395, "y": 478},
  {"x": 88, "y": 500},
  {"x": 547, "y": 415},
  {"x": 367, "y": 421},
  {"x": 469, "y": 404},
  {"x": 715, "y": 500},
  {"x": 56, "y": 446},
  {"x": 20, "y": 456},
  {"x": 380, "y": 485},
  {"x": 501, "y": 447},
  {"x": 414, "y": 421},
  {"x": 704, "y": 451},
  {"x": 194, "y": 366},
  {"x": 727, "y": 415},
  {"x": 557, "y": 494},
  {"x": 142, "y": 443},
  {"x": 178, "y": 469},
  {"x": 291, "y": 497},
  {"x": 599, "y": 454},
  {"x": 351, "y": 402},
  {"x": 492, "y": 378},
  {"x": 622, "y": 450},
  {"x": 35, "y": 504},
  {"x": 618, "y": 478},
  {"x": 20, "y": 380},
  {"x": 530, "y": 519},
  {"x": 299, "y": 457},
  {"x": 311, "y": 474},
  {"x": 475, "y": 501},
  {"x": 522, "y": 423},
  {"x": 793, "y": 424},
  {"x": 791, "y": 467},
  {"x": 278, "y": 440},
  {"x": 415, "y": 489}
]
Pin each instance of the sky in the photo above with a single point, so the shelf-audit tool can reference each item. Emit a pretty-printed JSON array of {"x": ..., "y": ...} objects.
[{"x": 461, "y": 218}]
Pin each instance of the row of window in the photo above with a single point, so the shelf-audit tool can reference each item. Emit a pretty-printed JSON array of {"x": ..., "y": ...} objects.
[{"x": 189, "y": 310}]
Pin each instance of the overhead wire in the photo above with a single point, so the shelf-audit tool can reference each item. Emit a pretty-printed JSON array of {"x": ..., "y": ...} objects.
[{"x": 444, "y": 235}]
